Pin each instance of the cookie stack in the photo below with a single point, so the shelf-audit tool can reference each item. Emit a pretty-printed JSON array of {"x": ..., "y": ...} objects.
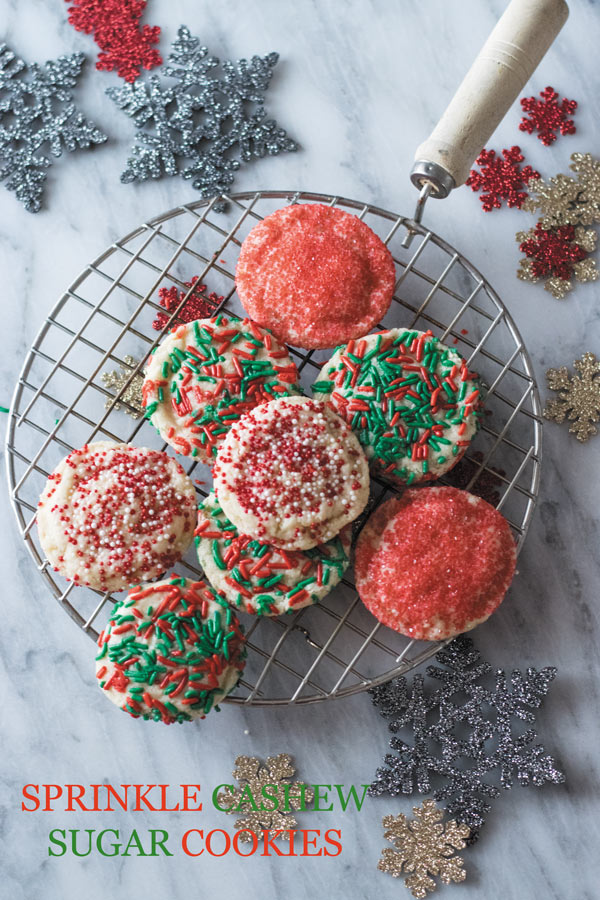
[{"x": 291, "y": 474}]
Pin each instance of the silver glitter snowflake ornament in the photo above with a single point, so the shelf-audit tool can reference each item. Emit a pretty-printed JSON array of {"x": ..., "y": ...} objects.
[
  {"x": 37, "y": 118},
  {"x": 200, "y": 127},
  {"x": 457, "y": 718}
]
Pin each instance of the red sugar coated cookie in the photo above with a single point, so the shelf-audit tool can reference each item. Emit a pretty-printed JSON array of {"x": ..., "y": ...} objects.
[
  {"x": 315, "y": 275},
  {"x": 434, "y": 562}
]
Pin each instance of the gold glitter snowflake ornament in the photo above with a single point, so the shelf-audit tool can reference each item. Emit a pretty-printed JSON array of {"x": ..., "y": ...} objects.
[
  {"x": 280, "y": 796},
  {"x": 564, "y": 200},
  {"x": 578, "y": 396},
  {"x": 132, "y": 395},
  {"x": 424, "y": 847}
]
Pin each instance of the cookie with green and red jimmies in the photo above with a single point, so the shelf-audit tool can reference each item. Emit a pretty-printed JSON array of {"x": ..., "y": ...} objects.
[
  {"x": 205, "y": 374},
  {"x": 171, "y": 651},
  {"x": 259, "y": 578},
  {"x": 411, "y": 401}
]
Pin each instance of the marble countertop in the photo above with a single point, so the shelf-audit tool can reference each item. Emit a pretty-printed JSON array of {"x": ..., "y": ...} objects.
[{"x": 360, "y": 84}]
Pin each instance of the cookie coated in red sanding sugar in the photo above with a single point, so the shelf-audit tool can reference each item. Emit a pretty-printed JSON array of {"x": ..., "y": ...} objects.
[
  {"x": 434, "y": 562},
  {"x": 316, "y": 276}
]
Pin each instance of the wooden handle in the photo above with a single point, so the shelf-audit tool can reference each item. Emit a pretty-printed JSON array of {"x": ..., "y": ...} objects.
[{"x": 492, "y": 84}]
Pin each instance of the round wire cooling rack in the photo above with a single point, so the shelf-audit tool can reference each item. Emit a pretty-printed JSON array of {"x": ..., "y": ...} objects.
[{"x": 335, "y": 648}]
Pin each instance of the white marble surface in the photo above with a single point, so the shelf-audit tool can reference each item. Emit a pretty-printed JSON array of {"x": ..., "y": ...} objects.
[{"x": 360, "y": 84}]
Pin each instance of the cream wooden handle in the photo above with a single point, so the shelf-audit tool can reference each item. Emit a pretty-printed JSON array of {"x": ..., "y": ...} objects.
[{"x": 492, "y": 84}]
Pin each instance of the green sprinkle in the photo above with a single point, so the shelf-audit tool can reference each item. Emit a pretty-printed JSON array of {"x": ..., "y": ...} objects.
[
  {"x": 302, "y": 584},
  {"x": 269, "y": 581},
  {"x": 217, "y": 556},
  {"x": 238, "y": 576}
]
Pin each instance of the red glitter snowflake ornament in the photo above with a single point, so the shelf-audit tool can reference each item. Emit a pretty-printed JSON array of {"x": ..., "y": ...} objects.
[
  {"x": 199, "y": 304},
  {"x": 114, "y": 24},
  {"x": 547, "y": 116},
  {"x": 557, "y": 255},
  {"x": 501, "y": 178}
]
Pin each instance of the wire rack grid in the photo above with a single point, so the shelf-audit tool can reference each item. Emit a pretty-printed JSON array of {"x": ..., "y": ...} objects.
[{"x": 335, "y": 648}]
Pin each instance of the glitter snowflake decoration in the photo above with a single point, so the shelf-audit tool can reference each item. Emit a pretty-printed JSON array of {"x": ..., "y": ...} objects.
[
  {"x": 557, "y": 255},
  {"x": 501, "y": 178},
  {"x": 433, "y": 716},
  {"x": 565, "y": 200},
  {"x": 200, "y": 127},
  {"x": 548, "y": 116},
  {"x": 423, "y": 847},
  {"x": 37, "y": 118},
  {"x": 117, "y": 381},
  {"x": 578, "y": 396},
  {"x": 199, "y": 304},
  {"x": 114, "y": 25},
  {"x": 252, "y": 776}
]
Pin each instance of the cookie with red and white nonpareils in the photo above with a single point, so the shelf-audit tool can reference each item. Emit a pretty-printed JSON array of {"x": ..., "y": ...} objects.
[
  {"x": 434, "y": 562},
  {"x": 171, "y": 651},
  {"x": 291, "y": 473},
  {"x": 112, "y": 515},
  {"x": 412, "y": 402},
  {"x": 259, "y": 578},
  {"x": 315, "y": 275},
  {"x": 204, "y": 375}
]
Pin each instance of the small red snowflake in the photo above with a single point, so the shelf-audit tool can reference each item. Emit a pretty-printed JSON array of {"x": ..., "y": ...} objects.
[
  {"x": 553, "y": 251},
  {"x": 115, "y": 28},
  {"x": 199, "y": 305},
  {"x": 547, "y": 116},
  {"x": 501, "y": 178}
]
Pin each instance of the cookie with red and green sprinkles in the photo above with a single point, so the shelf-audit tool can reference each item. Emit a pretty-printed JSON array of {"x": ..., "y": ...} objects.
[
  {"x": 259, "y": 578},
  {"x": 171, "y": 651},
  {"x": 291, "y": 473},
  {"x": 411, "y": 401},
  {"x": 205, "y": 374},
  {"x": 112, "y": 515},
  {"x": 434, "y": 562}
]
